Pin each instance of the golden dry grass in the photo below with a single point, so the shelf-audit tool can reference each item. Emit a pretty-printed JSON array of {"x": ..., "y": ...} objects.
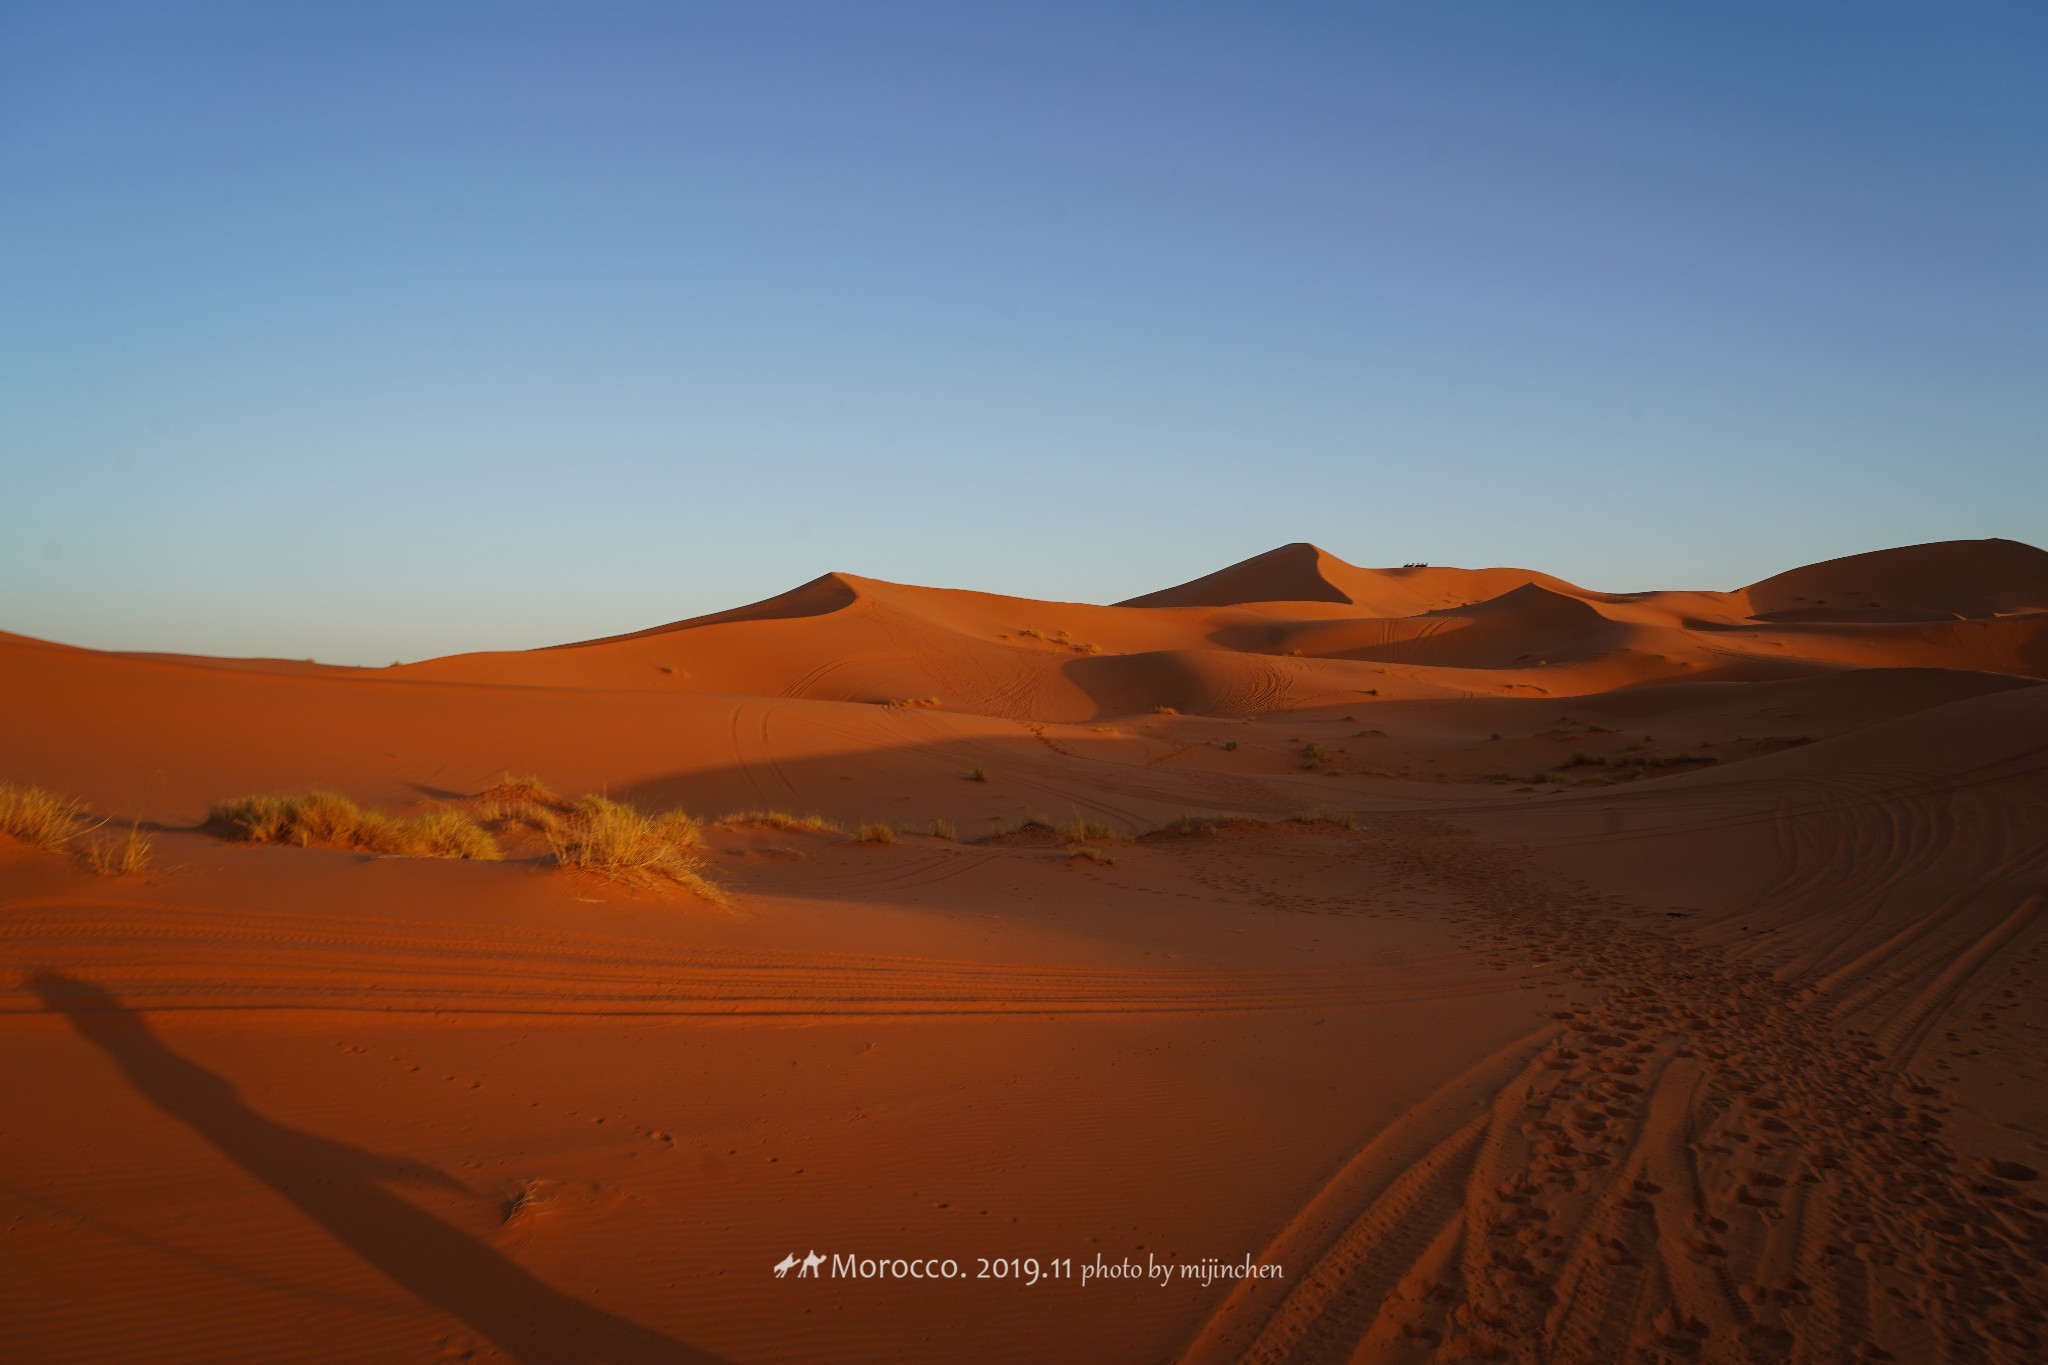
[
  {"x": 781, "y": 819},
  {"x": 38, "y": 817},
  {"x": 125, "y": 855},
  {"x": 58, "y": 824},
  {"x": 943, "y": 829},
  {"x": 1081, "y": 828},
  {"x": 877, "y": 832},
  {"x": 1321, "y": 816},
  {"x": 329, "y": 819},
  {"x": 611, "y": 838}
]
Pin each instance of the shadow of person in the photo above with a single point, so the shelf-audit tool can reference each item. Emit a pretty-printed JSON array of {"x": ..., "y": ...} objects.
[{"x": 339, "y": 1187}]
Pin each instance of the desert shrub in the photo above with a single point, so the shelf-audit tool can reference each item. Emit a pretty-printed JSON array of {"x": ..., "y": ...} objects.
[
  {"x": 117, "y": 856},
  {"x": 1031, "y": 824},
  {"x": 943, "y": 829},
  {"x": 1229, "y": 744},
  {"x": 522, "y": 800},
  {"x": 1165, "y": 711},
  {"x": 1191, "y": 823},
  {"x": 877, "y": 832},
  {"x": 1031, "y": 633},
  {"x": 38, "y": 817},
  {"x": 1581, "y": 759},
  {"x": 977, "y": 775},
  {"x": 1498, "y": 777},
  {"x": 1091, "y": 852},
  {"x": 1321, "y": 816},
  {"x": 615, "y": 840},
  {"x": 330, "y": 819},
  {"x": 58, "y": 824},
  {"x": 782, "y": 819},
  {"x": 446, "y": 834},
  {"x": 1080, "y": 827}
]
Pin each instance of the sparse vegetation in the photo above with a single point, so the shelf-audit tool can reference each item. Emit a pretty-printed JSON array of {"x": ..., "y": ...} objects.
[
  {"x": 1080, "y": 828},
  {"x": 1031, "y": 633},
  {"x": 1322, "y": 816},
  {"x": 57, "y": 824},
  {"x": 1229, "y": 744},
  {"x": 1581, "y": 759},
  {"x": 1198, "y": 825},
  {"x": 1087, "y": 649},
  {"x": 126, "y": 855},
  {"x": 1641, "y": 762},
  {"x": 782, "y": 819},
  {"x": 1091, "y": 852},
  {"x": 1498, "y": 777},
  {"x": 519, "y": 801},
  {"x": 977, "y": 775},
  {"x": 38, "y": 817},
  {"x": 877, "y": 832},
  {"x": 899, "y": 703},
  {"x": 1032, "y": 824},
  {"x": 615, "y": 840},
  {"x": 943, "y": 829},
  {"x": 666, "y": 668},
  {"x": 1165, "y": 711},
  {"x": 329, "y": 819},
  {"x": 1314, "y": 755}
]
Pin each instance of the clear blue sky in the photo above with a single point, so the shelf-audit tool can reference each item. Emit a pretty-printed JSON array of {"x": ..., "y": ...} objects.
[{"x": 375, "y": 331}]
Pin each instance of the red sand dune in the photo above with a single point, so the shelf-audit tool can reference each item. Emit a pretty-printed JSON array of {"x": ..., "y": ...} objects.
[{"x": 1673, "y": 993}]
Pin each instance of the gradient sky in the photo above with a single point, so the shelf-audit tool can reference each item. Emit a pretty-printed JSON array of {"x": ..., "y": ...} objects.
[{"x": 374, "y": 331}]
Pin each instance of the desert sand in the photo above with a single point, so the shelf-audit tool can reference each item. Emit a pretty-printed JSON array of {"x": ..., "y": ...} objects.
[{"x": 1555, "y": 975}]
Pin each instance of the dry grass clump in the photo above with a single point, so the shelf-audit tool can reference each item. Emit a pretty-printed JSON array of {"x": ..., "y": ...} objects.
[
  {"x": 943, "y": 829},
  {"x": 1191, "y": 824},
  {"x": 781, "y": 819},
  {"x": 123, "y": 856},
  {"x": 1165, "y": 710},
  {"x": 613, "y": 839},
  {"x": 1080, "y": 829},
  {"x": 1033, "y": 828},
  {"x": 519, "y": 800},
  {"x": 877, "y": 832},
  {"x": 1087, "y": 648},
  {"x": 57, "y": 824},
  {"x": 38, "y": 817},
  {"x": 898, "y": 703},
  {"x": 330, "y": 819},
  {"x": 1092, "y": 852},
  {"x": 1319, "y": 816},
  {"x": 977, "y": 775}
]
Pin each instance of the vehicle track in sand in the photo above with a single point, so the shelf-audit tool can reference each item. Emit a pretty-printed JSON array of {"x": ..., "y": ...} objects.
[
  {"x": 185, "y": 957},
  {"x": 1711, "y": 1159}
]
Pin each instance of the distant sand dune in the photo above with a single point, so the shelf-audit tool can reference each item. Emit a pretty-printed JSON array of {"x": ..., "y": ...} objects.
[{"x": 1548, "y": 974}]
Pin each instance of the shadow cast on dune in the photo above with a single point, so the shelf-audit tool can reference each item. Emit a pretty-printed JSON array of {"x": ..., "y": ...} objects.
[{"x": 342, "y": 1189}]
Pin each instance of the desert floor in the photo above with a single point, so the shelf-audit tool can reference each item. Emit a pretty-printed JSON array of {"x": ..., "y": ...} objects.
[{"x": 1556, "y": 975}]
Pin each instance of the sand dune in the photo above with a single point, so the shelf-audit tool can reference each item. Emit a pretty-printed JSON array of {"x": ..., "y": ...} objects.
[{"x": 1649, "y": 975}]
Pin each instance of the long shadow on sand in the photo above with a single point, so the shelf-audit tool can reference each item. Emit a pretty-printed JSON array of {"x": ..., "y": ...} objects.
[{"x": 338, "y": 1186}]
